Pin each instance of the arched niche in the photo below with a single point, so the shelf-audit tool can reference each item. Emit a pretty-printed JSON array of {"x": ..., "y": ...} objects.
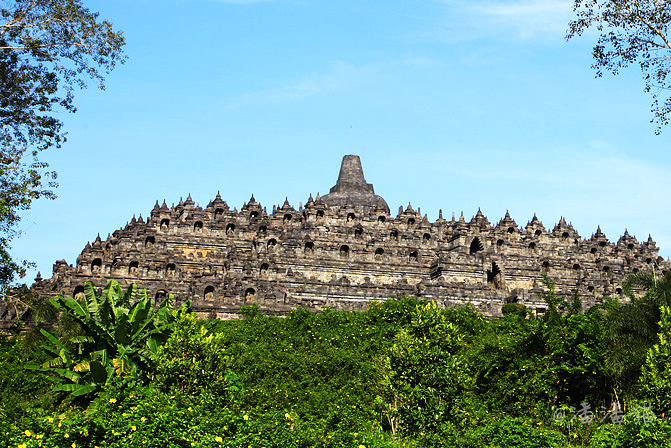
[
  {"x": 198, "y": 227},
  {"x": 208, "y": 293},
  {"x": 165, "y": 224},
  {"x": 78, "y": 293},
  {"x": 309, "y": 247},
  {"x": 476, "y": 246},
  {"x": 96, "y": 265},
  {"x": 133, "y": 268},
  {"x": 170, "y": 270},
  {"x": 250, "y": 295},
  {"x": 263, "y": 270},
  {"x": 270, "y": 245},
  {"x": 149, "y": 242},
  {"x": 379, "y": 253},
  {"x": 230, "y": 228},
  {"x": 413, "y": 256},
  {"x": 344, "y": 251},
  {"x": 494, "y": 276}
]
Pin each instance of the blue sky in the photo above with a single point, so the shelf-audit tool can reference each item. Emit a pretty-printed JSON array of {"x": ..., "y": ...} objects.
[{"x": 451, "y": 104}]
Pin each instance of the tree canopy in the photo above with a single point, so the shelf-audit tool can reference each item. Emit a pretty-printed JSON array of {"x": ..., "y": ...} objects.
[
  {"x": 631, "y": 32},
  {"x": 47, "y": 49}
]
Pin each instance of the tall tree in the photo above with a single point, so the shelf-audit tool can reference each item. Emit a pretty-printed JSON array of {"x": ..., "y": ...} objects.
[
  {"x": 631, "y": 31},
  {"x": 47, "y": 49}
]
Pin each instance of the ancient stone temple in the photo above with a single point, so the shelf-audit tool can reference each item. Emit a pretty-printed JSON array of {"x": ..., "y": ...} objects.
[{"x": 344, "y": 250}]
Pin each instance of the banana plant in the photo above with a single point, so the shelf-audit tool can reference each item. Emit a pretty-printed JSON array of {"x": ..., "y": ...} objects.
[{"x": 122, "y": 333}]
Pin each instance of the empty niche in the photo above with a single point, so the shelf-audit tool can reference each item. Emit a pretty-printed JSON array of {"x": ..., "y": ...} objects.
[
  {"x": 271, "y": 244},
  {"x": 379, "y": 252},
  {"x": 606, "y": 269},
  {"x": 381, "y": 219},
  {"x": 133, "y": 268},
  {"x": 411, "y": 221},
  {"x": 413, "y": 256},
  {"x": 230, "y": 228},
  {"x": 263, "y": 230},
  {"x": 545, "y": 266},
  {"x": 161, "y": 294},
  {"x": 320, "y": 214},
  {"x": 250, "y": 295},
  {"x": 494, "y": 276},
  {"x": 511, "y": 229},
  {"x": 564, "y": 235},
  {"x": 358, "y": 232},
  {"x": 96, "y": 265},
  {"x": 602, "y": 244},
  {"x": 208, "y": 294},
  {"x": 198, "y": 227},
  {"x": 78, "y": 293},
  {"x": 309, "y": 247},
  {"x": 532, "y": 245},
  {"x": 344, "y": 251},
  {"x": 593, "y": 250},
  {"x": 149, "y": 242},
  {"x": 170, "y": 269},
  {"x": 263, "y": 270},
  {"x": 630, "y": 246},
  {"x": 165, "y": 223},
  {"x": 476, "y": 246},
  {"x": 576, "y": 267},
  {"x": 538, "y": 232}
]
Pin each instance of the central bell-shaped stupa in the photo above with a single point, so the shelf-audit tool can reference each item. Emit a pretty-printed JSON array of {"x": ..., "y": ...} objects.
[{"x": 352, "y": 189}]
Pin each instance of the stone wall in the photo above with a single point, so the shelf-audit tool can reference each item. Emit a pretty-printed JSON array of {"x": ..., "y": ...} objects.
[{"x": 345, "y": 250}]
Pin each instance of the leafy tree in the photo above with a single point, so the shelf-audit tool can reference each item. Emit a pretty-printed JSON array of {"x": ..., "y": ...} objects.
[
  {"x": 633, "y": 327},
  {"x": 632, "y": 31},
  {"x": 656, "y": 376},
  {"x": 47, "y": 48},
  {"x": 122, "y": 332}
]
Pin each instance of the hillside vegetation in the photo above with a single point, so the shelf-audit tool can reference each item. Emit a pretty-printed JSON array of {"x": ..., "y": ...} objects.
[{"x": 400, "y": 374}]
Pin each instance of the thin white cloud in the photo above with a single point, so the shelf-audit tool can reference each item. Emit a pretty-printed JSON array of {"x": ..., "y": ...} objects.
[
  {"x": 340, "y": 75},
  {"x": 518, "y": 19}
]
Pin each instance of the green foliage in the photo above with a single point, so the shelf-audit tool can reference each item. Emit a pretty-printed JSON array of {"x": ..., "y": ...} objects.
[
  {"x": 516, "y": 309},
  {"x": 402, "y": 373},
  {"x": 193, "y": 360},
  {"x": 656, "y": 374},
  {"x": 47, "y": 48},
  {"x": 121, "y": 335},
  {"x": 426, "y": 379},
  {"x": 631, "y": 31}
]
